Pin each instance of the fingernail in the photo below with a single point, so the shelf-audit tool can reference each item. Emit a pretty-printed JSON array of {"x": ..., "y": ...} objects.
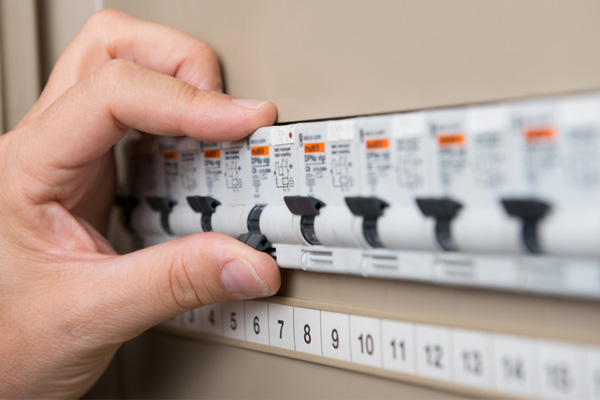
[
  {"x": 250, "y": 103},
  {"x": 239, "y": 277}
]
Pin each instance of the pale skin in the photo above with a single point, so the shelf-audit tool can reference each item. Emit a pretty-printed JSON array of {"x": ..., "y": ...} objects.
[{"x": 67, "y": 300}]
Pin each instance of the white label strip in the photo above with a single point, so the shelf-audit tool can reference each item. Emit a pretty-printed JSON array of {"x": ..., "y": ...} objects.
[{"x": 509, "y": 365}]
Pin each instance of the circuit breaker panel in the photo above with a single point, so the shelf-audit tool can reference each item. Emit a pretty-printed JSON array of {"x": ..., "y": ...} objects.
[{"x": 499, "y": 196}]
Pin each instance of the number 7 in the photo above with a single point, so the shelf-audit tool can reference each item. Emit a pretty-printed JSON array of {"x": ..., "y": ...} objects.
[{"x": 280, "y": 322}]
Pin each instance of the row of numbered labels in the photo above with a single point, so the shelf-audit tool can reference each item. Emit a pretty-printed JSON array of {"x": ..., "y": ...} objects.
[{"x": 501, "y": 363}]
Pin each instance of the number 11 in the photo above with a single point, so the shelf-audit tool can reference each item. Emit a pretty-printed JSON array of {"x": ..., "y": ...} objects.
[{"x": 402, "y": 349}]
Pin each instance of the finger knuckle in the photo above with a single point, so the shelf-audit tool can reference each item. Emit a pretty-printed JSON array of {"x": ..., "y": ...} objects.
[
  {"x": 185, "y": 288},
  {"x": 101, "y": 21},
  {"x": 205, "y": 49},
  {"x": 113, "y": 73}
]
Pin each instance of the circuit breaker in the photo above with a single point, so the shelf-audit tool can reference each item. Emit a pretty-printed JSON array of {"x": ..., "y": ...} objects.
[{"x": 500, "y": 195}]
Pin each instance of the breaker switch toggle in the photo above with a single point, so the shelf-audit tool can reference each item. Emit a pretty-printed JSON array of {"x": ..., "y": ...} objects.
[
  {"x": 254, "y": 238},
  {"x": 308, "y": 208},
  {"x": 206, "y": 206},
  {"x": 162, "y": 205},
  {"x": 530, "y": 211},
  {"x": 370, "y": 208},
  {"x": 443, "y": 210},
  {"x": 127, "y": 204}
]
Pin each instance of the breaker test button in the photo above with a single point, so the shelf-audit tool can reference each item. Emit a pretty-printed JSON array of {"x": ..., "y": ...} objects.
[
  {"x": 254, "y": 238},
  {"x": 206, "y": 206},
  {"x": 370, "y": 208},
  {"x": 162, "y": 205},
  {"x": 443, "y": 210},
  {"x": 308, "y": 208},
  {"x": 530, "y": 211}
]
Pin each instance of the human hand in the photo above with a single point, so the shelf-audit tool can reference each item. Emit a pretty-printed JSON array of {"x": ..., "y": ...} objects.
[{"x": 67, "y": 301}]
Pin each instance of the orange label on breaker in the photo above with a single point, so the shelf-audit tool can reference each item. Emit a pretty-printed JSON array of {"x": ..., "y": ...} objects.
[
  {"x": 452, "y": 139},
  {"x": 535, "y": 134},
  {"x": 170, "y": 155},
  {"x": 314, "y": 148},
  {"x": 259, "y": 151},
  {"x": 378, "y": 144},
  {"x": 212, "y": 153}
]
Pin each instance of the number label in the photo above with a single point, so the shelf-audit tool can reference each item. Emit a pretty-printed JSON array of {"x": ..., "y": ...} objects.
[
  {"x": 256, "y": 325},
  {"x": 366, "y": 344},
  {"x": 256, "y": 320},
  {"x": 366, "y": 340},
  {"x": 402, "y": 349},
  {"x": 192, "y": 321},
  {"x": 335, "y": 331},
  {"x": 281, "y": 324},
  {"x": 335, "y": 338},
  {"x": 559, "y": 377},
  {"x": 435, "y": 355},
  {"x": 472, "y": 363},
  {"x": 432, "y": 352},
  {"x": 472, "y": 357},
  {"x": 513, "y": 365},
  {"x": 211, "y": 319},
  {"x": 307, "y": 337},
  {"x": 559, "y": 370},
  {"x": 233, "y": 319},
  {"x": 513, "y": 369},
  {"x": 307, "y": 326},
  {"x": 233, "y": 315},
  {"x": 398, "y": 339}
]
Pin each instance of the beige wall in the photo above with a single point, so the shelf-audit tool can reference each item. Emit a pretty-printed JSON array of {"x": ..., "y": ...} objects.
[
  {"x": 20, "y": 61},
  {"x": 59, "y": 21},
  {"x": 330, "y": 58}
]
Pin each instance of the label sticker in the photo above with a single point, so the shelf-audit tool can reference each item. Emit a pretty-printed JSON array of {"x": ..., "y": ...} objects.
[
  {"x": 378, "y": 144},
  {"x": 258, "y": 151},
  {"x": 212, "y": 153},
  {"x": 314, "y": 148}
]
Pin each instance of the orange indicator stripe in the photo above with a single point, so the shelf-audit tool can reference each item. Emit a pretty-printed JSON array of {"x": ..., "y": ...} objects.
[
  {"x": 259, "y": 151},
  {"x": 170, "y": 154},
  {"x": 534, "y": 134},
  {"x": 378, "y": 144},
  {"x": 451, "y": 139},
  {"x": 314, "y": 147},
  {"x": 212, "y": 153}
]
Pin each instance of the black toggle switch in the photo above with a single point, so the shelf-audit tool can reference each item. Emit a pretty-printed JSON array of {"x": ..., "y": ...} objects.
[
  {"x": 443, "y": 210},
  {"x": 162, "y": 205},
  {"x": 254, "y": 238},
  {"x": 206, "y": 206},
  {"x": 370, "y": 208},
  {"x": 127, "y": 204},
  {"x": 308, "y": 208},
  {"x": 530, "y": 211}
]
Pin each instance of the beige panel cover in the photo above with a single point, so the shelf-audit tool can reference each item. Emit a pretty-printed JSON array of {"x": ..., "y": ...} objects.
[
  {"x": 198, "y": 369},
  {"x": 330, "y": 58}
]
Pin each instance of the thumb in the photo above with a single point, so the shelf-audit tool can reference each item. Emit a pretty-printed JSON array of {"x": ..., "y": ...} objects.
[{"x": 149, "y": 286}]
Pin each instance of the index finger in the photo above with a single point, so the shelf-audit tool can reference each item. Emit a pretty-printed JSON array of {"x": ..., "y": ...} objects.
[
  {"x": 110, "y": 34},
  {"x": 85, "y": 122}
]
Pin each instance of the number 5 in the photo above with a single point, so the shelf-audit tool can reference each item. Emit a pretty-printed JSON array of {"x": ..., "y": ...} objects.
[{"x": 233, "y": 322}]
